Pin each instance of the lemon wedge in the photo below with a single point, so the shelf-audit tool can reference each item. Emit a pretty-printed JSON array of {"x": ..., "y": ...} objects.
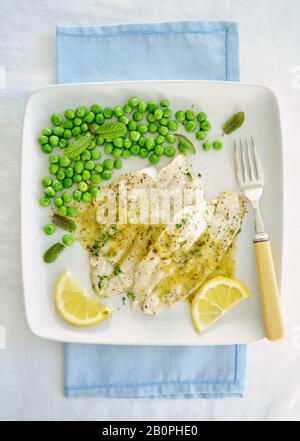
[
  {"x": 214, "y": 299},
  {"x": 75, "y": 305}
]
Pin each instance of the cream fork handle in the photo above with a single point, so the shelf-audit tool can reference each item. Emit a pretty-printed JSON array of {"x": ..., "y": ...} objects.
[{"x": 269, "y": 293}]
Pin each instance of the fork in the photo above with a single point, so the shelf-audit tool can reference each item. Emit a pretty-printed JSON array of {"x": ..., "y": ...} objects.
[{"x": 250, "y": 179}]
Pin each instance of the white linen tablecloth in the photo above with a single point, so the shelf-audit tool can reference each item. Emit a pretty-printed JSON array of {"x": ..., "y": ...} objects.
[{"x": 31, "y": 369}]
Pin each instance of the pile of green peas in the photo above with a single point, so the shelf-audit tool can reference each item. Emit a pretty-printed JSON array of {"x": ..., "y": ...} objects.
[{"x": 151, "y": 133}]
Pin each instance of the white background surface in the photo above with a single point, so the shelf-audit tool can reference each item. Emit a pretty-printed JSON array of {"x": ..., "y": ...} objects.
[{"x": 31, "y": 369}]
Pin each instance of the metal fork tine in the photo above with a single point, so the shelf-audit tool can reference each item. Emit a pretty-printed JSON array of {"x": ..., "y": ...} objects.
[
  {"x": 256, "y": 159},
  {"x": 244, "y": 163},
  {"x": 250, "y": 161},
  {"x": 238, "y": 167}
]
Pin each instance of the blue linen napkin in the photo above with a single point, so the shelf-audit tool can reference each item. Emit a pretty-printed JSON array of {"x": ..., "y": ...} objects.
[{"x": 178, "y": 50}]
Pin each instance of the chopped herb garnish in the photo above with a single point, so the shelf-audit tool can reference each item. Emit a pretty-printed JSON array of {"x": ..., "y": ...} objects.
[
  {"x": 124, "y": 300},
  {"x": 95, "y": 248},
  {"x": 182, "y": 223},
  {"x": 102, "y": 281},
  {"x": 117, "y": 270},
  {"x": 199, "y": 175},
  {"x": 189, "y": 175},
  {"x": 131, "y": 295}
]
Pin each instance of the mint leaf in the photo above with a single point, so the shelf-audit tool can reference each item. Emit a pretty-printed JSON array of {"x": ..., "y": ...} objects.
[
  {"x": 53, "y": 252},
  {"x": 185, "y": 144},
  {"x": 110, "y": 131},
  {"x": 64, "y": 222},
  {"x": 234, "y": 122},
  {"x": 75, "y": 148}
]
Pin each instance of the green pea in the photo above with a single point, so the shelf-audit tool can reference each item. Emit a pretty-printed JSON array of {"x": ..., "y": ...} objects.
[
  {"x": 99, "y": 119},
  {"x": 49, "y": 192},
  {"x": 151, "y": 118},
  {"x": 169, "y": 151},
  {"x": 76, "y": 131},
  {"x": 58, "y": 202},
  {"x": 173, "y": 125},
  {"x": 106, "y": 175},
  {"x": 118, "y": 142},
  {"x": 72, "y": 211},
  {"x": 100, "y": 140},
  {"x": 60, "y": 175},
  {"x": 86, "y": 197},
  {"x": 64, "y": 161},
  {"x": 206, "y": 126},
  {"x": 90, "y": 165},
  {"x": 62, "y": 210},
  {"x": 77, "y": 121},
  {"x": 118, "y": 163},
  {"x": 190, "y": 115},
  {"x": 118, "y": 111},
  {"x": 53, "y": 169},
  {"x": 127, "y": 109},
  {"x": 201, "y": 135},
  {"x": 68, "y": 240},
  {"x": 152, "y": 106},
  {"x": 142, "y": 141},
  {"x": 143, "y": 153},
  {"x": 206, "y": 146},
  {"x": 137, "y": 116},
  {"x": 96, "y": 155},
  {"x": 68, "y": 124},
  {"x": 89, "y": 118},
  {"x": 77, "y": 179},
  {"x": 190, "y": 126},
  {"x": 86, "y": 155},
  {"x": 94, "y": 191},
  {"x": 67, "y": 182},
  {"x": 66, "y": 197},
  {"x": 171, "y": 139},
  {"x": 46, "y": 181},
  {"x": 95, "y": 108},
  {"x": 153, "y": 159},
  {"x": 47, "y": 148},
  {"x": 127, "y": 143},
  {"x": 108, "y": 112},
  {"x": 159, "y": 150},
  {"x": 135, "y": 149},
  {"x": 54, "y": 159},
  {"x": 134, "y": 101},
  {"x": 47, "y": 131},
  {"x": 56, "y": 119},
  {"x": 96, "y": 179},
  {"x": 82, "y": 186},
  {"x": 142, "y": 128},
  {"x": 53, "y": 140},
  {"x": 167, "y": 113},
  {"x": 180, "y": 116},
  {"x": 108, "y": 148},
  {"x": 201, "y": 117},
  {"x": 84, "y": 127},
  {"x": 81, "y": 111},
  {"x": 86, "y": 175},
  {"x": 77, "y": 195},
  {"x": 164, "y": 103},
  {"x": 98, "y": 168},
  {"x": 164, "y": 122},
  {"x": 44, "y": 201},
  {"x": 132, "y": 125},
  {"x": 70, "y": 114},
  {"x": 142, "y": 106},
  {"x": 159, "y": 139},
  {"x": 150, "y": 143},
  {"x": 163, "y": 130},
  {"x": 49, "y": 229},
  {"x": 158, "y": 114},
  {"x": 217, "y": 145},
  {"x": 117, "y": 153},
  {"x": 57, "y": 185},
  {"x": 123, "y": 119},
  {"x": 108, "y": 164},
  {"x": 67, "y": 134},
  {"x": 153, "y": 128},
  {"x": 62, "y": 143},
  {"x": 78, "y": 167},
  {"x": 43, "y": 139},
  {"x": 70, "y": 172},
  {"x": 126, "y": 154},
  {"x": 134, "y": 136}
]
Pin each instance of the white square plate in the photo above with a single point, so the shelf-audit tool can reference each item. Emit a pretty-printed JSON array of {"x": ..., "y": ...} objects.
[{"x": 174, "y": 327}]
